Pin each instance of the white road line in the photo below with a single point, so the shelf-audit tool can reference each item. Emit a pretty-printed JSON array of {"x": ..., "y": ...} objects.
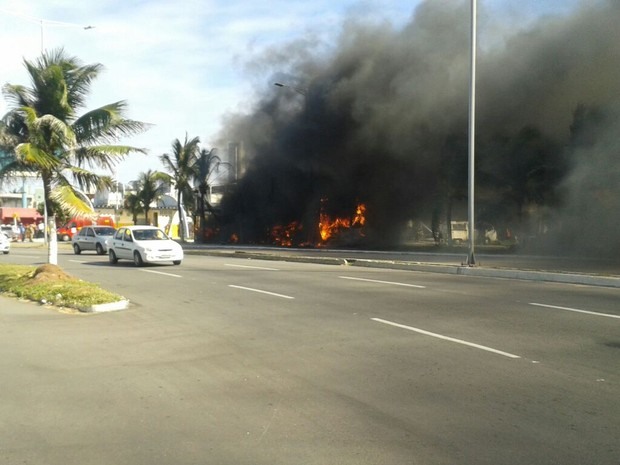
[
  {"x": 253, "y": 267},
  {"x": 446, "y": 338},
  {"x": 77, "y": 261},
  {"x": 161, "y": 272},
  {"x": 262, "y": 292},
  {"x": 382, "y": 282},
  {"x": 577, "y": 310}
]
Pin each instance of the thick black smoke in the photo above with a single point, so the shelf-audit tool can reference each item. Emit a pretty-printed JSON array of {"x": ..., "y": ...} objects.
[{"x": 381, "y": 118}]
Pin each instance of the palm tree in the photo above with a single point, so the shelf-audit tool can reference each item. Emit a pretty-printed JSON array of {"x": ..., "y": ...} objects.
[
  {"x": 151, "y": 186},
  {"x": 134, "y": 205},
  {"x": 206, "y": 164},
  {"x": 181, "y": 166},
  {"x": 46, "y": 135}
]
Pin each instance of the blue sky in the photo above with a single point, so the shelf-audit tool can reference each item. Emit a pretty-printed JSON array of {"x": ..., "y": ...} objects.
[{"x": 180, "y": 65}]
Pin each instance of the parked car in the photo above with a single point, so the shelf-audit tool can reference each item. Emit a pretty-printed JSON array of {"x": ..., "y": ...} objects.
[
  {"x": 92, "y": 238},
  {"x": 10, "y": 231},
  {"x": 5, "y": 243},
  {"x": 143, "y": 244}
]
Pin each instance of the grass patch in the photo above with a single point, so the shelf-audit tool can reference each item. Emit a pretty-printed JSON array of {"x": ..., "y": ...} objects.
[{"x": 50, "y": 285}]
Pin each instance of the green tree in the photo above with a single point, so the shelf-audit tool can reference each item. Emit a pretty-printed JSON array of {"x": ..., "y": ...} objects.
[
  {"x": 151, "y": 186},
  {"x": 48, "y": 137},
  {"x": 181, "y": 164},
  {"x": 134, "y": 205}
]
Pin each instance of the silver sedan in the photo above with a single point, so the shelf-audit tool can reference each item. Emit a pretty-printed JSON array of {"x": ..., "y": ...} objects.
[{"x": 92, "y": 238}]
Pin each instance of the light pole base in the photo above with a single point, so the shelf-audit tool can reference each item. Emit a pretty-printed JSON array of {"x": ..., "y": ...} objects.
[{"x": 471, "y": 259}]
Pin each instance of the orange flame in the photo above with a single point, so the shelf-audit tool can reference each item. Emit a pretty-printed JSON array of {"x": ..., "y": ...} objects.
[
  {"x": 284, "y": 235},
  {"x": 328, "y": 227}
]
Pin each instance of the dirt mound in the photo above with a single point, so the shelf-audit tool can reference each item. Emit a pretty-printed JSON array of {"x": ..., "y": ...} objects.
[{"x": 49, "y": 272}]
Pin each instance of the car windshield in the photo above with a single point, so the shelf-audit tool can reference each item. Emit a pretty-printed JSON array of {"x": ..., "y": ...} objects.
[
  {"x": 105, "y": 231},
  {"x": 149, "y": 235}
]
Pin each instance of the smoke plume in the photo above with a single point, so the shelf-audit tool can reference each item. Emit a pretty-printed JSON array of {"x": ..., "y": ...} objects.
[{"x": 381, "y": 118}]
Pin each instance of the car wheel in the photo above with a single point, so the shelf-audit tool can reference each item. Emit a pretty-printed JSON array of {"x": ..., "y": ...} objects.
[
  {"x": 137, "y": 259},
  {"x": 76, "y": 249},
  {"x": 6, "y": 252},
  {"x": 176, "y": 262},
  {"x": 66, "y": 238},
  {"x": 99, "y": 249},
  {"x": 112, "y": 257}
]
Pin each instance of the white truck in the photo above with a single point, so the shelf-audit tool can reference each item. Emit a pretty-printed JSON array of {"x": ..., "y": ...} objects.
[{"x": 460, "y": 232}]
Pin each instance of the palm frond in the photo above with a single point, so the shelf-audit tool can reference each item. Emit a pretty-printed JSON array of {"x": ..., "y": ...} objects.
[
  {"x": 87, "y": 180},
  {"x": 104, "y": 156},
  {"x": 71, "y": 201},
  {"x": 16, "y": 94},
  {"x": 169, "y": 164},
  {"x": 107, "y": 124},
  {"x": 79, "y": 80},
  {"x": 13, "y": 130},
  {"x": 57, "y": 134},
  {"x": 16, "y": 166},
  {"x": 32, "y": 156},
  {"x": 76, "y": 77},
  {"x": 51, "y": 92}
]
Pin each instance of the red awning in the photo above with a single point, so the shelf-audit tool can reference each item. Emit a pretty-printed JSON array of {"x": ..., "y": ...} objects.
[{"x": 29, "y": 215}]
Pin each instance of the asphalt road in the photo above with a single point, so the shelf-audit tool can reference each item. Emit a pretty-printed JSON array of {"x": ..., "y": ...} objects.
[{"x": 233, "y": 361}]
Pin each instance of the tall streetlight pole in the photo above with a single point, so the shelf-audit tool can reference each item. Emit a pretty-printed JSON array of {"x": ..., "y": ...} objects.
[
  {"x": 50, "y": 223},
  {"x": 471, "y": 260},
  {"x": 42, "y": 23},
  {"x": 314, "y": 234}
]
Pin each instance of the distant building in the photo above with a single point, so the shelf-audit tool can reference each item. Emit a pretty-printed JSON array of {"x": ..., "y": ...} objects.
[
  {"x": 110, "y": 198},
  {"x": 17, "y": 200},
  {"x": 14, "y": 215}
]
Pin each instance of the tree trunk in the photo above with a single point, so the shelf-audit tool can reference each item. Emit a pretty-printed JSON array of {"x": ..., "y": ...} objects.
[
  {"x": 52, "y": 244},
  {"x": 203, "y": 227},
  {"x": 181, "y": 218}
]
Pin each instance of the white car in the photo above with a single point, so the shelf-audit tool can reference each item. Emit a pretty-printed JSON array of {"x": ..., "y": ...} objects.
[
  {"x": 143, "y": 244},
  {"x": 9, "y": 231},
  {"x": 5, "y": 243},
  {"x": 92, "y": 238}
]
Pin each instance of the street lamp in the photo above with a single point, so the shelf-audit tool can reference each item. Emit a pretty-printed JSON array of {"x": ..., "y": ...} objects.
[
  {"x": 299, "y": 90},
  {"x": 118, "y": 201},
  {"x": 471, "y": 260},
  {"x": 49, "y": 222},
  {"x": 59, "y": 24},
  {"x": 313, "y": 151}
]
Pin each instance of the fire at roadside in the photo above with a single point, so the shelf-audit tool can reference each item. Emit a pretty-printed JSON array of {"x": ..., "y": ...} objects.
[
  {"x": 346, "y": 231},
  {"x": 383, "y": 118}
]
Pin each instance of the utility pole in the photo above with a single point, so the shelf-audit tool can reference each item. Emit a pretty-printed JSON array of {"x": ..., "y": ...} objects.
[{"x": 471, "y": 260}]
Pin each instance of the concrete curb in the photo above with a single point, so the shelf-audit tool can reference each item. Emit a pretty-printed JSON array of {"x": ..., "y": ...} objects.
[
  {"x": 109, "y": 307},
  {"x": 528, "y": 275},
  {"x": 506, "y": 273}
]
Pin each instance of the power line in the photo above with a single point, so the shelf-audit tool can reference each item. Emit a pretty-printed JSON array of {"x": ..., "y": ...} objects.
[{"x": 50, "y": 22}]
